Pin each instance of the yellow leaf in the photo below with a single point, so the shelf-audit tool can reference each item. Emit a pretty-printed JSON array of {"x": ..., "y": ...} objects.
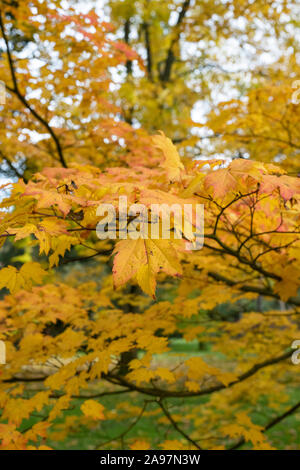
[
  {"x": 93, "y": 409},
  {"x": 140, "y": 445},
  {"x": 14, "y": 280},
  {"x": 172, "y": 445},
  {"x": 143, "y": 259},
  {"x": 172, "y": 162},
  {"x": 8, "y": 278}
]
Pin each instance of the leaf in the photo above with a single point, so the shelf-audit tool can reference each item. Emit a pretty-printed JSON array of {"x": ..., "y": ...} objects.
[
  {"x": 244, "y": 427},
  {"x": 197, "y": 369},
  {"x": 23, "y": 232},
  {"x": 233, "y": 177},
  {"x": 43, "y": 231},
  {"x": 221, "y": 182},
  {"x": 287, "y": 186},
  {"x": 93, "y": 409},
  {"x": 46, "y": 199},
  {"x": 172, "y": 445},
  {"x": 172, "y": 163},
  {"x": 140, "y": 445},
  {"x": 143, "y": 259},
  {"x": 161, "y": 255},
  {"x": 37, "y": 431},
  {"x": 194, "y": 185},
  {"x": 59, "y": 246},
  {"x": 8, "y": 278},
  {"x": 29, "y": 274},
  {"x": 289, "y": 284},
  {"x": 129, "y": 256}
]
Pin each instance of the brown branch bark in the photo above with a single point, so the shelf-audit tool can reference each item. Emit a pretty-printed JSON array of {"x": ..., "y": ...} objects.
[
  {"x": 166, "y": 73},
  {"x": 126, "y": 39},
  {"x": 148, "y": 49},
  {"x": 17, "y": 92},
  {"x": 256, "y": 290},
  {"x": 117, "y": 380}
]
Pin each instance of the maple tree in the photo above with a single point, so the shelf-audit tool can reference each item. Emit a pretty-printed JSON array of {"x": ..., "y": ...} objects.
[{"x": 85, "y": 319}]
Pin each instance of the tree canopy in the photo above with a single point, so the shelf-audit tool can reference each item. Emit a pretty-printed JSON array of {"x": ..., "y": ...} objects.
[{"x": 162, "y": 102}]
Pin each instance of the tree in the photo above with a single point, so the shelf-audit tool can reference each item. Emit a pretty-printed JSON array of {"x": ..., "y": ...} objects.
[{"x": 89, "y": 318}]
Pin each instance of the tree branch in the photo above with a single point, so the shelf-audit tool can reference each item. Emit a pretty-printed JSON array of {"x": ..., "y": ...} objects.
[
  {"x": 175, "y": 425},
  {"x": 148, "y": 49},
  {"x": 118, "y": 380},
  {"x": 23, "y": 100},
  {"x": 271, "y": 423},
  {"x": 166, "y": 73},
  {"x": 126, "y": 38},
  {"x": 127, "y": 430},
  {"x": 254, "y": 289},
  {"x": 12, "y": 168}
]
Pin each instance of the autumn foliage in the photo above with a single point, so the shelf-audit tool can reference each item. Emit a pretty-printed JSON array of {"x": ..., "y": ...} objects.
[{"x": 99, "y": 109}]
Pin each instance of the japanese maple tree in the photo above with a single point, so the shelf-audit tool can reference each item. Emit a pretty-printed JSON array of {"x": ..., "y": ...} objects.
[{"x": 102, "y": 107}]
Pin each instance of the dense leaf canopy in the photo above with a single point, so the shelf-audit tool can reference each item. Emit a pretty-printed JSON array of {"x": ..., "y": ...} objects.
[{"x": 162, "y": 102}]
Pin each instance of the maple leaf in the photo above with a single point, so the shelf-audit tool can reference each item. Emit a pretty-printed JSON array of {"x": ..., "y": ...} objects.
[
  {"x": 221, "y": 182},
  {"x": 59, "y": 246},
  {"x": 288, "y": 286},
  {"x": 287, "y": 186},
  {"x": 143, "y": 259},
  {"x": 244, "y": 427},
  {"x": 172, "y": 163},
  {"x": 46, "y": 199},
  {"x": 233, "y": 177},
  {"x": 172, "y": 445},
  {"x": 194, "y": 185},
  {"x": 129, "y": 255},
  {"x": 78, "y": 145},
  {"x": 140, "y": 444},
  {"x": 43, "y": 231},
  {"x": 11, "y": 438},
  {"x": 14, "y": 280},
  {"x": 198, "y": 368},
  {"x": 8, "y": 278},
  {"x": 38, "y": 430},
  {"x": 93, "y": 409}
]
